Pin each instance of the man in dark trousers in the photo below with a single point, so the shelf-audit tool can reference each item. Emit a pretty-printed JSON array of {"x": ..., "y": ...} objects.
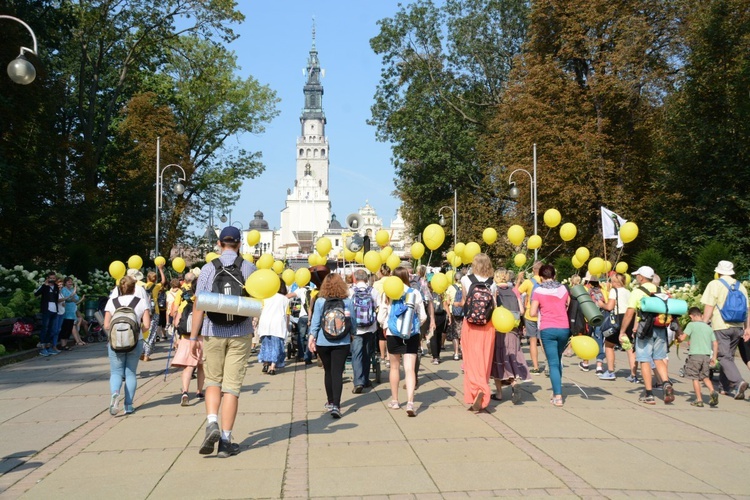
[{"x": 49, "y": 293}]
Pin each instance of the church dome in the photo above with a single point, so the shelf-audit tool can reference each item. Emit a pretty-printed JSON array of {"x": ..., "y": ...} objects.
[
  {"x": 258, "y": 222},
  {"x": 334, "y": 223}
]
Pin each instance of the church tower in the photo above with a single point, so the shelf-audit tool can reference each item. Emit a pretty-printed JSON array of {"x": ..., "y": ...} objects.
[{"x": 308, "y": 207}]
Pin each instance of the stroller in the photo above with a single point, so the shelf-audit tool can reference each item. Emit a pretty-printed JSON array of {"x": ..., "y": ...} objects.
[{"x": 94, "y": 315}]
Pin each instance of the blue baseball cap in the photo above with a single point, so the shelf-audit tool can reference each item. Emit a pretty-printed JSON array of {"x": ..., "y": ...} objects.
[{"x": 230, "y": 234}]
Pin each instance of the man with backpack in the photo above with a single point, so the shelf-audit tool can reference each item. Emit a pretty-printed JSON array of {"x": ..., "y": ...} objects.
[
  {"x": 650, "y": 340},
  {"x": 726, "y": 310},
  {"x": 154, "y": 288},
  {"x": 363, "y": 342},
  {"x": 226, "y": 342}
]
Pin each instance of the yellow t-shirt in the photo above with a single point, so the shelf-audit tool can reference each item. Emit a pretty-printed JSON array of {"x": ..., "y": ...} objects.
[
  {"x": 637, "y": 294},
  {"x": 155, "y": 289},
  {"x": 527, "y": 287},
  {"x": 715, "y": 295}
]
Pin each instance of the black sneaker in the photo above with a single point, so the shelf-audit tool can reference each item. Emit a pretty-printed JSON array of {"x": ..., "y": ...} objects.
[
  {"x": 227, "y": 449},
  {"x": 357, "y": 389},
  {"x": 583, "y": 367},
  {"x": 213, "y": 434},
  {"x": 668, "y": 393},
  {"x": 335, "y": 412}
]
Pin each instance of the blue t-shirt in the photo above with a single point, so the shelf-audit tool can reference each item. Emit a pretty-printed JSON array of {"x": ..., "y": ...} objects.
[
  {"x": 317, "y": 331},
  {"x": 71, "y": 307}
]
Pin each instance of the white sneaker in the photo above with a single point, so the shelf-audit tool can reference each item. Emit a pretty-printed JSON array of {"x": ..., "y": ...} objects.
[{"x": 114, "y": 404}]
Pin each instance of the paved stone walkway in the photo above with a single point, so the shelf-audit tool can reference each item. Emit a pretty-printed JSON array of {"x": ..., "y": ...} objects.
[{"x": 57, "y": 439}]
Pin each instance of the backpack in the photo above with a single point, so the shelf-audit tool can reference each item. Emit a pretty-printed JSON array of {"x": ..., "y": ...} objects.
[
  {"x": 295, "y": 307},
  {"x": 415, "y": 283},
  {"x": 734, "y": 309},
  {"x": 124, "y": 327},
  {"x": 228, "y": 280},
  {"x": 576, "y": 318},
  {"x": 437, "y": 303},
  {"x": 185, "y": 325},
  {"x": 150, "y": 288},
  {"x": 396, "y": 316},
  {"x": 661, "y": 320},
  {"x": 479, "y": 302},
  {"x": 458, "y": 311},
  {"x": 507, "y": 298},
  {"x": 161, "y": 299},
  {"x": 334, "y": 322},
  {"x": 364, "y": 306}
]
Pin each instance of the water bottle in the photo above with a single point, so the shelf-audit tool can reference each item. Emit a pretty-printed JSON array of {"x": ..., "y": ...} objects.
[{"x": 408, "y": 316}]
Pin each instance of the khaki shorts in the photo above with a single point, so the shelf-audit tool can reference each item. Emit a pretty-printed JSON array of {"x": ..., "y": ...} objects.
[{"x": 225, "y": 362}]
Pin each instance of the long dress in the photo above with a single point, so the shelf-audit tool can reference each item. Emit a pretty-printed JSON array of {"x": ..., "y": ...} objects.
[
  {"x": 272, "y": 329},
  {"x": 508, "y": 363},
  {"x": 478, "y": 348}
]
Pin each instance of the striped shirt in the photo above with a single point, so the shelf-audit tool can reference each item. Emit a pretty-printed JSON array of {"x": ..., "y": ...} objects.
[{"x": 205, "y": 283}]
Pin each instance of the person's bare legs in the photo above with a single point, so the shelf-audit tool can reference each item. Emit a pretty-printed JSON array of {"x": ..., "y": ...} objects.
[
  {"x": 394, "y": 376},
  {"x": 228, "y": 402},
  {"x": 410, "y": 375},
  {"x": 187, "y": 374},
  {"x": 534, "y": 353},
  {"x": 498, "y": 388},
  {"x": 609, "y": 354},
  {"x": 201, "y": 377}
]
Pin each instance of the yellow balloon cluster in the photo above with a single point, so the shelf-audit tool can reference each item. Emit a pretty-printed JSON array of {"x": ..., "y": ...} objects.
[
  {"x": 516, "y": 234},
  {"x": 433, "y": 236},
  {"x": 393, "y": 287},
  {"x": 263, "y": 284}
]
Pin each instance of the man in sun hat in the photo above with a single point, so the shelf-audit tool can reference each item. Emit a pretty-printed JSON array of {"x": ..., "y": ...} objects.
[
  {"x": 728, "y": 333},
  {"x": 226, "y": 348},
  {"x": 651, "y": 349}
]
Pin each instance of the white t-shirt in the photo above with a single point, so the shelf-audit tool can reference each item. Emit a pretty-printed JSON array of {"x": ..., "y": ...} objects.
[
  {"x": 384, "y": 309},
  {"x": 301, "y": 293},
  {"x": 622, "y": 297},
  {"x": 125, "y": 300},
  {"x": 466, "y": 283},
  {"x": 273, "y": 318},
  {"x": 140, "y": 291}
]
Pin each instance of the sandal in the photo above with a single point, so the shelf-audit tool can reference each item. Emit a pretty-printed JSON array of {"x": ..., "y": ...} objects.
[
  {"x": 494, "y": 397},
  {"x": 80, "y": 343},
  {"x": 557, "y": 401},
  {"x": 393, "y": 405}
]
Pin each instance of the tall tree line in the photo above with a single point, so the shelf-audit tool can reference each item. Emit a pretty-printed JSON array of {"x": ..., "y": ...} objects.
[
  {"x": 637, "y": 105},
  {"x": 78, "y": 145}
]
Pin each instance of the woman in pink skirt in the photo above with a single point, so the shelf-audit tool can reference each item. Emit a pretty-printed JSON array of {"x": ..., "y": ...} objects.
[{"x": 185, "y": 356}]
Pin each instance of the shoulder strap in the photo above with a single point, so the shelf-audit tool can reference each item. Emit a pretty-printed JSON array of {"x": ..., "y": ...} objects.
[
  {"x": 116, "y": 302},
  {"x": 217, "y": 264},
  {"x": 238, "y": 261},
  {"x": 729, "y": 287},
  {"x": 134, "y": 302},
  {"x": 644, "y": 290},
  {"x": 473, "y": 278}
]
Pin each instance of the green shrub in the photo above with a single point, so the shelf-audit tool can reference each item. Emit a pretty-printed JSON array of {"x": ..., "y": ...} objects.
[
  {"x": 661, "y": 265},
  {"x": 707, "y": 259},
  {"x": 564, "y": 268},
  {"x": 2, "y": 349}
]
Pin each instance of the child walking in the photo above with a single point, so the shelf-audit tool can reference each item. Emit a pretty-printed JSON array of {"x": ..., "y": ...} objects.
[{"x": 703, "y": 351}]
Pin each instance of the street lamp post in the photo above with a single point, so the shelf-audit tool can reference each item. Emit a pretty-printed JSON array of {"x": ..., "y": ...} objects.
[
  {"x": 20, "y": 70},
  {"x": 454, "y": 217},
  {"x": 224, "y": 219},
  {"x": 178, "y": 189},
  {"x": 514, "y": 192}
]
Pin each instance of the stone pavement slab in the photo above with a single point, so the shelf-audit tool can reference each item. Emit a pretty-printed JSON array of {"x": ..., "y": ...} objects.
[{"x": 57, "y": 439}]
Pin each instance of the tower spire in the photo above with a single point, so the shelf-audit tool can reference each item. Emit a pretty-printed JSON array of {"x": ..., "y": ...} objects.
[
  {"x": 313, "y": 32},
  {"x": 313, "y": 88}
]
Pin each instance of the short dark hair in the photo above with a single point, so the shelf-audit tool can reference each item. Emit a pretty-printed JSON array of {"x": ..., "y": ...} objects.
[
  {"x": 547, "y": 271},
  {"x": 694, "y": 311}
]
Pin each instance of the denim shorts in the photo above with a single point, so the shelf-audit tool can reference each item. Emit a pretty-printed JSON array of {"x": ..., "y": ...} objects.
[
  {"x": 654, "y": 348},
  {"x": 532, "y": 328}
]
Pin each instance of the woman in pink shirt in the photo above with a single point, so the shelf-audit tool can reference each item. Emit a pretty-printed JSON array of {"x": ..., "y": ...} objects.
[{"x": 550, "y": 300}]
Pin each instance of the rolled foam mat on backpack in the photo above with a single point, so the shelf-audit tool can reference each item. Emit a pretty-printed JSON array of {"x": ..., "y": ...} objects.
[
  {"x": 228, "y": 304},
  {"x": 591, "y": 312},
  {"x": 675, "y": 307},
  {"x": 578, "y": 291}
]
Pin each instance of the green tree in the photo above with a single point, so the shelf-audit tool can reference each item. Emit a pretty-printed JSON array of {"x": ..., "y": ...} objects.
[
  {"x": 704, "y": 145},
  {"x": 444, "y": 69}
]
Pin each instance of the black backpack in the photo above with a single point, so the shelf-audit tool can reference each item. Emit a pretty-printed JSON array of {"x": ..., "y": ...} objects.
[
  {"x": 575, "y": 317},
  {"x": 228, "y": 280},
  {"x": 479, "y": 301},
  {"x": 161, "y": 299},
  {"x": 334, "y": 322},
  {"x": 508, "y": 299},
  {"x": 185, "y": 325}
]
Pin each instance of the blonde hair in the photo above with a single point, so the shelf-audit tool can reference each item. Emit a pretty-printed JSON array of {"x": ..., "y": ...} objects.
[
  {"x": 126, "y": 285},
  {"x": 575, "y": 280},
  {"x": 482, "y": 265},
  {"x": 502, "y": 275}
]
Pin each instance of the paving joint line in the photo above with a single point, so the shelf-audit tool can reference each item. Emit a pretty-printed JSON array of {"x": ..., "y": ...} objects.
[{"x": 298, "y": 449}]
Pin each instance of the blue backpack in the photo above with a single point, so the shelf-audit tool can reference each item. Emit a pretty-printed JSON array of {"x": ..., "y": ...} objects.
[
  {"x": 735, "y": 307},
  {"x": 398, "y": 308},
  {"x": 458, "y": 311},
  {"x": 364, "y": 306}
]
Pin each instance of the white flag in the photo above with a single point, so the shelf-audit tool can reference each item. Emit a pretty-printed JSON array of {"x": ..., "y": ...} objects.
[{"x": 611, "y": 224}]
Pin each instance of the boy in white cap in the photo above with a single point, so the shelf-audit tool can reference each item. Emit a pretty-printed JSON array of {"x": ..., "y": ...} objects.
[{"x": 730, "y": 326}]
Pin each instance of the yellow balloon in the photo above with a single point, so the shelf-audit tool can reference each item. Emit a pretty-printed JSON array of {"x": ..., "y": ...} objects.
[
  {"x": 596, "y": 266},
  {"x": 535, "y": 241},
  {"x": 457, "y": 261},
  {"x": 265, "y": 261},
  {"x": 552, "y": 217},
  {"x": 263, "y": 284},
  {"x": 160, "y": 261},
  {"x": 288, "y": 276},
  {"x": 278, "y": 267},
  {"x": 417, "y": 250},
  {"x": 323, "y": 246},
  {"x": 312, "y": 259},
  {"x": 393, "y": 287},
  {"x": 359, "y": 257},
  {"x": 584, "y": 346},
  {"x": 516, "y": 234},
  {"x": 386, "y": 252},
  {"x": 348, "y": 254},
  {"x": 582, "y": 254},
  {"x": 248, "y": 257},
  {"x": 628, "y": 232},
  {"x": 576, "y": 263},
  {"x": 621, "y": 267},
  {"x": 433, "y": 236},
  {"x": 460, "y": 247},
  {"x": 382, "y": 238},
  {"x": 393, "y": 261},
  {"x": 372, "y": 261},
  {"x": 439, "y": 282},
  {"x": 211, "y": 256},
  {"x": 135, "y": 262},
  {"x": 607, "y": 266},
  {"x": 117, "y": 269},
  {"x": 451, "y": 276},
  {"x": 178, "y": 264},
  {"x": 302, "y": 276},
  {"x": 449, "y": 256},
  {"x": 568, "y": 231},
  {"x": 503, "y": 320},
  {"x": 471, "y": 250},
  {"x": 489, "y": 235},
  {"x": 519, "y": 260},
  {"x": 253, "y": 237}
]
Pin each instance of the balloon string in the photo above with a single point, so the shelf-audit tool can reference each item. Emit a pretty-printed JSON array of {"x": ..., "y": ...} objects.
[
  {"x": 574, "y": 383},
  {"x": 553, "y": 251}
]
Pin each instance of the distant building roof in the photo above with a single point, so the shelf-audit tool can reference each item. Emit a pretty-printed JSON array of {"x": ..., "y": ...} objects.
[
  {"x": 334, "y": 223},
  {"x": 258, "y": 222}
]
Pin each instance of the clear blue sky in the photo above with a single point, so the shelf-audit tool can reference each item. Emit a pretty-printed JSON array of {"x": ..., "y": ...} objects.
[{"x": 274, "y": 43}]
